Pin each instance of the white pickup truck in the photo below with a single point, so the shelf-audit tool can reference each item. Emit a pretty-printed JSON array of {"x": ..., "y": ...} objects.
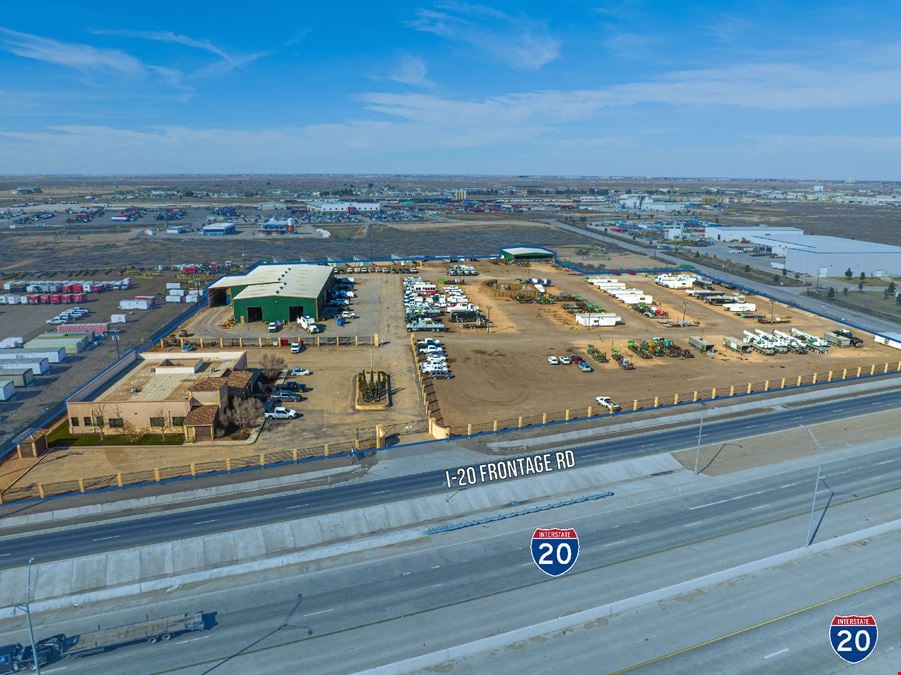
[{"x": 282, "y": 413}]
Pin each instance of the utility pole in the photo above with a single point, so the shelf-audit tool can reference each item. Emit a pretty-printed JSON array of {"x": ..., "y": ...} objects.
[
  {"x": 34, "y": 650},
  {"x": 488, "y": 321},
  {"x": 116, "y": 340},
  {"x": 700, "y": 431},
  {"x": 816, "y": 486}
]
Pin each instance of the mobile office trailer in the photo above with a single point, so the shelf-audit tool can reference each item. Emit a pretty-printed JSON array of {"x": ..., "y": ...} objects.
[
  {"x": 839, "y": 340},
  {"x": 117, "y": 318},
  {"x": 735, "y": 345},
  {"x": 740, "y": 307},
  {"x": 701, "y": 344},
  {"x": 7, "y": 390},
  {"x": 53, "y": 355},
  {"x": 73, "y": 343},
  {"x": 21, "y": 376},
  {"x": 597, "y": 319}
]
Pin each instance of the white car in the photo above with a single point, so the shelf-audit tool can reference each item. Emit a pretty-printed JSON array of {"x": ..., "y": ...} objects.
[
  {"x": 295, "y": 347},
  {"x": 552, "y": 360},
  {"x": 273, "y": 327},
  {"x": 431, "y": 349},
  {"x": 565, "y": 360},
  {"x": 301, "y": 371},
  {"x": 608, "y": 403}
]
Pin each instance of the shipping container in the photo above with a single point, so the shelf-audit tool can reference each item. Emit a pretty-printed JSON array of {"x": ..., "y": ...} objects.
[
  {"x": 117, "y": 318},
  {"x": 97, "y": 328},
  {"x": 173, "y": 284},
  {"x": 38, "y": 365},
  {"x": 174, "y": 298},
  {"x": 21, "y": 376},
  {"x": 78, "y": 297},
  {"x": 53, "y": 354},
  {"x": 7, "y": 390}
]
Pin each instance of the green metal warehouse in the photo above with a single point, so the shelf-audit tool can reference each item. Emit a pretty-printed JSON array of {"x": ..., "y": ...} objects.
[
  {"x": 275, "y": 292},
  {"x": 527, "y": 254}
]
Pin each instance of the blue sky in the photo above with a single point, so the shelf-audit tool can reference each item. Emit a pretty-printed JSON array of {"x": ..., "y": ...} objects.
[{"x": 744, "y": 89}]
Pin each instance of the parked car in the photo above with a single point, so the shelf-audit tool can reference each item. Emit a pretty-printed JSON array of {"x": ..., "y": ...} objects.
[
  {"x": 296, "y": 347},
  {"x": 552, "y": 360},
  {"x": 585, "y": 367},
  {"x": 281, "y": 413},
  {"x": 431, "y": 349},
  {"x": 608, "y": 403},
  {"x": 575, "y": 358},
  {"x": 285, "y": 395},
  {"x": 291, "y": 386},
  {"x": 430, "y": 341},
  {"x": 565, "y": 360},
  {"x": 273, "y": 327},
  {"x": 301, "y": 371}
]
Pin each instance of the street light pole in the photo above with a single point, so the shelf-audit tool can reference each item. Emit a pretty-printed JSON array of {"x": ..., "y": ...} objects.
[
  {"x": 116, "y": 340},
  {"x": 816, "y": 486},
  {"x": 34, "y": 650},
  {"x": 700, "y": 431}
]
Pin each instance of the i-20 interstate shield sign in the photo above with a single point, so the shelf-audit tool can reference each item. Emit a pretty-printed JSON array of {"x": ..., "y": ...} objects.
[
  {"x": 555, "y": 550},
  {"x": 853, "y": 637}
]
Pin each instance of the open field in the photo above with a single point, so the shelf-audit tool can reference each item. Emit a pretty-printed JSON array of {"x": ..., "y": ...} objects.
[
  {"x": 377, "y": 241},
  {"x": 28, "y": 321},
  {"x": 506, "y": 374}
]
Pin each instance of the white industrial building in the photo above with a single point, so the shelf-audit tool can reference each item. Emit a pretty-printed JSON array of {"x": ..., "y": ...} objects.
[
  {"x": 343, "y": 207},
  {"x": 722, "y": 233},
  {"x": 822, "y": 256}
]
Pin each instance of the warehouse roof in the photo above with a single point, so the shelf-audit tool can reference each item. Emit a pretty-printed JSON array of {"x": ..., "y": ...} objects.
[
  {"x": 293, "y": 281},
  {"x": 526, "y": 250},
  {"x": 816, "y": 243}
]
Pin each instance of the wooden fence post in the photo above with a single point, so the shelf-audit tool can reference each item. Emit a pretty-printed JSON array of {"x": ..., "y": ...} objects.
[
  {"x": 294, "y": 455},
  {"x": 829, "y": 377},
  {"x": 221, "y": 343},
  {"x": 228, "y": 464},
  {"x": 656, "y": 401},
  {"x": 193, "y": 470},
  {"x": 590, "y": 411},
  {"x": 873, "y": 369},
  {"x": 494, "y": 427},
  {"x": 119, "y": 479},
  {"x": 41, "y": 492},
  {"x": 749, "y": 388},
  {"x": 565, "y": 417},
  {"x": 634, "y": 404},
  {"x": 731, "y": 390},
  {"x": 262, "y": 459},
  {"x": 469, "y": 429},
  {"x": 782, "y": 386},
  {"x": 766, "y": 385},
  {"x": 520, "y": 421},
  {"x": 859, "y": 369},
  {"x": 325, "y": 449},
  {"x": 713, "y": 393},
  {"x": 156, "y": 474},
  {"x": 544, "y": 418},
  {"x": 814, "y": 379},
  {"x": 676, "y": 399},
  {"x": 81, "y": 484}
]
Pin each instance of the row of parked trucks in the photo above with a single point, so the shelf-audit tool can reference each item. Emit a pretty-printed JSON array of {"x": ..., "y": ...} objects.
[
  {"x": 18, "y": 657},
  {"x": 796, "y": 341}
]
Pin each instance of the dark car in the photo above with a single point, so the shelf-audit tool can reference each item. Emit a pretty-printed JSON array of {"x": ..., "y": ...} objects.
[
  {"x": 285, "y": 395},
  {"x": 291, "y": 386}
]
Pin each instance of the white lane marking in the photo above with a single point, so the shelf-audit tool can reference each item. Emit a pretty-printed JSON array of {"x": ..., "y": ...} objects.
[
  {"x": 697, "y": 522},
  {"x": 888, "y": 461},
  {"x": 525, "y": 564},
  {"x": 3, "y": 555},
  {"x": 403, "y": 574},
  {"x": 781, "y": 651},
  {"x": 297, "y": 506},
  {"x": 54, "y": 670},
  {"x": 704, "y": 506},
  {"x": 184, "y": 642},
  {"x": 380, "y": 492},
  {"x": 115, "y": 536},
  {"x": 436, "y": 585},
  {"x": 757, "y": 508},
  {"x": 324, "y": 611},
  {"x": 435, "y": 567},
  {"x": 647, "y": 445},
  {"x": 787, "y": 485},
  {"x": 204, "y": 522},
  {"x": 614, "y": 543}
]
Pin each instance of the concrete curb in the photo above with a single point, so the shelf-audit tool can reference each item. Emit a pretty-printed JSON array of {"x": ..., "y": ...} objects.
[{"x": 444, "y": 656}]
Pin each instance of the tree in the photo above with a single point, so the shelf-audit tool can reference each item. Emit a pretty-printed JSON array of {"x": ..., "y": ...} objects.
[
  {"x": 159, "y": 415},
  {"x": 747, "y": 268},
  {"x": 863, "y": 276},
  {"x": 890, "y": 289},
  {"x": 272, "y": 365},
  {"x": 831, "y": 293},
  {"x": 845, "y": 291},
  {"x": 245, "y": 412},
  {"x": 849, "y": 273}
]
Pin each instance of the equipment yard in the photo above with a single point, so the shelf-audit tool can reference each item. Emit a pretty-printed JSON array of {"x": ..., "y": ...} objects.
[{"x": 506, "y": 373}]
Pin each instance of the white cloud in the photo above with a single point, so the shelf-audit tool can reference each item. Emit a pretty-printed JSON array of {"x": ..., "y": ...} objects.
[
  {"x": 411, "y": 70},
  {"x": 629, "y": 45},
  {"x": 81, "y": 57},
  {"x": 515, "y": 40}
]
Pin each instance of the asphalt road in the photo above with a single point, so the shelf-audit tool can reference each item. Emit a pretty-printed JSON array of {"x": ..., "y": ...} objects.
[
  {"x": 71, "y": 542},
  {"x": 795, "y": 296},
  {"x": 462, "y": 587}
]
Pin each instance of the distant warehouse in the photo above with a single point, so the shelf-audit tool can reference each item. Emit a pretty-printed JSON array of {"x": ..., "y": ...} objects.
[
  {"x": 329, "y": 206},
  {"x": 275, "y": 292},
  {"x": 821, "y": 256},
  {"x": 218, "y": 229}
]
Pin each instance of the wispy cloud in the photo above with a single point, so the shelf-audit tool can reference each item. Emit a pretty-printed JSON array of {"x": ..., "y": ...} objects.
[
  {"x": 518, "y": 41},
  {"x": 80, "y": 57},
  {"x": 629, "y": 46},
  {"x": 410, "y": 70}
]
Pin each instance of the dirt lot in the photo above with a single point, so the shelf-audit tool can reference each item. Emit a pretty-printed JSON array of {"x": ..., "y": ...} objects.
[
  {"x": 506, "y": 374},
  {"x": 28, "y": 321}
]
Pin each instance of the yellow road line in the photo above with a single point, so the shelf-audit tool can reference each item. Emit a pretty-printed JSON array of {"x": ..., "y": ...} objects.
[{"x": 757, "y": 625}]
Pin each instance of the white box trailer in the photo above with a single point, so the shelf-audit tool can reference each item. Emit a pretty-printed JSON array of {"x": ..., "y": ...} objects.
[
  {"x": 117, "y": 318},
  {"x": 7, "y": 390},
  {"x": 740, "y": 307},
  {"x": 38, "y": 366},
  {"x": 888, "y": 342},
  {"x": 135, "y": 304},
  {"x": 174, "y": 298},
  {"x": 175, "y": 291},
  {"x": 173, "y": 284},
  {"x": 53, "y": 355},
  {"x": 597, "y": 319}
]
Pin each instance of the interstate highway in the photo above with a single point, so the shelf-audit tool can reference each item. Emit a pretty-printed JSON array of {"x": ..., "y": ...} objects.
[
  {"x": 343, "y": 618},
  {"x": 78, "y": 541}
]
